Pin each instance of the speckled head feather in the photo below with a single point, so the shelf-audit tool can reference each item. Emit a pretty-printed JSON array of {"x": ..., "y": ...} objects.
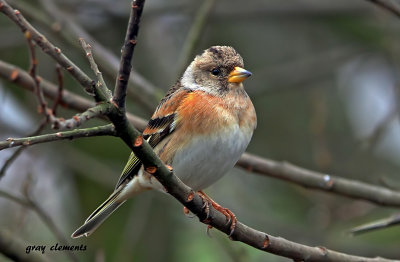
[
  {"x": 210, "y": 70},
  {"x": 219, "y": 56}
]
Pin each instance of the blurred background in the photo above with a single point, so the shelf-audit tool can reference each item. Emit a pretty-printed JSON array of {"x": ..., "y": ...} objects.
[{"x": 325, "y": 86}]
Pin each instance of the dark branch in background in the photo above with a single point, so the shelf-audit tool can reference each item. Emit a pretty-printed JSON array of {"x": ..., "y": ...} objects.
[
  {"x": 32, "y": 204},
  {"x": 385, "y": 5},
  {"x": 375, "y": 225},
  {"x": 107, "y": 130},
  {"x": 18, "y": 152},
  {"x": 52, "y": 50},
  {"x": 70, "y": 100},
  {"x": 60, "y": 81},
  {"x": 147, "y": 95},
  {"x": 125, "y": 65},
  {"x": 381, "y": 128},
  {"x": 14, "y": 249},
  {"x": 193, "y": 37}
]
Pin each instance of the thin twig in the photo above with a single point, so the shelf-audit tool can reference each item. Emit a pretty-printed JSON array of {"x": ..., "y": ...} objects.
[
  {"x": 101, "y": 84},
  {"x": 380, "y": 129},
  {"x": 14, "y": 248},
  {"x": 78, "y": 119},
  {"x": 18, "y": 152},
  {"x": 33, "y": 74},
  {"x": 389, "y": 7},
  {"x": 125, "y": 65},
  {"x": 46, "y": 218},
  {"x": 147, "y": 95},
  {"x": 195, "y": 32},
  {"x": 107, "y": 130},
  {"x": 32, "y": 204},
  {"x": 60, "y": 82},
  {"x": 379, "y": 224}
]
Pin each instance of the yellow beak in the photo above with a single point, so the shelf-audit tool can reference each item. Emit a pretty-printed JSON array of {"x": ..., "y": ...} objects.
[{"x": 238, "y": 74}]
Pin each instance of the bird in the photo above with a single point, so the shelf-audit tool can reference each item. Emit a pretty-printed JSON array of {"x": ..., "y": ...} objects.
[{"x": 200, "y": 129}]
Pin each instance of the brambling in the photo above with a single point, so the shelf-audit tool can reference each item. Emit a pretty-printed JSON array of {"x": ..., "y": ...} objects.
[{"x": 200, "y": 128}]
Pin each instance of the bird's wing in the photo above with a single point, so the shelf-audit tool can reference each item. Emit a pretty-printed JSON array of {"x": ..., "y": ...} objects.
[{"x": 162, "y": 124}]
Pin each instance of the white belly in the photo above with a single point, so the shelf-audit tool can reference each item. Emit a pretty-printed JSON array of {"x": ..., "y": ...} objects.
[{"x": 207, "y": 159}]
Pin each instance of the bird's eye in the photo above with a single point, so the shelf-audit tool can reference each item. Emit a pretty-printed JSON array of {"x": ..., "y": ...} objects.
[{"x": 216, "y": 71}]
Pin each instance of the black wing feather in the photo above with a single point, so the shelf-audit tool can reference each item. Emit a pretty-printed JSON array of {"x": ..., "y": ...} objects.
[{"x": 164, "y": 126}]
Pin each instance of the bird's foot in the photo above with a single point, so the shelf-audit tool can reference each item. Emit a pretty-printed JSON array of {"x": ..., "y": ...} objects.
[{"x": 230, "y": 216}]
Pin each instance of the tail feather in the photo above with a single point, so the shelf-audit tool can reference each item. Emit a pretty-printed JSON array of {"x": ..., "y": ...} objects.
[
  {"x": 115, "y": 200},
  {"x": 100, "y": 215}
]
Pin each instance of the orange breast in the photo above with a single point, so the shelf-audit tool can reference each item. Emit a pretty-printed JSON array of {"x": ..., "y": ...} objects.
[{"x": 203, "y": 113}]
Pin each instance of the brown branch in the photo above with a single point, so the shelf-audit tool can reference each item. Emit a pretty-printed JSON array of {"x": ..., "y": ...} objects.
[
  {"x": 315, "y": 180},
  {"x": 210, "y": 216},
  {"x": 125, "y": 65},
  {"x": 389, "y": 7}
]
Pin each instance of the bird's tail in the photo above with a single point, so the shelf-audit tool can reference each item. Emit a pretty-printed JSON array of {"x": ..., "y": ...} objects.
[{"x": 115, "y": 200}]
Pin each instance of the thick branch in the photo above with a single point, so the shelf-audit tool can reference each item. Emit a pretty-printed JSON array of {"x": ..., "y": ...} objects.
[
  {"x": 212, "y": 217},
  {"x": 107, "y": 130},
  {"x": 125, "y": 65}
]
